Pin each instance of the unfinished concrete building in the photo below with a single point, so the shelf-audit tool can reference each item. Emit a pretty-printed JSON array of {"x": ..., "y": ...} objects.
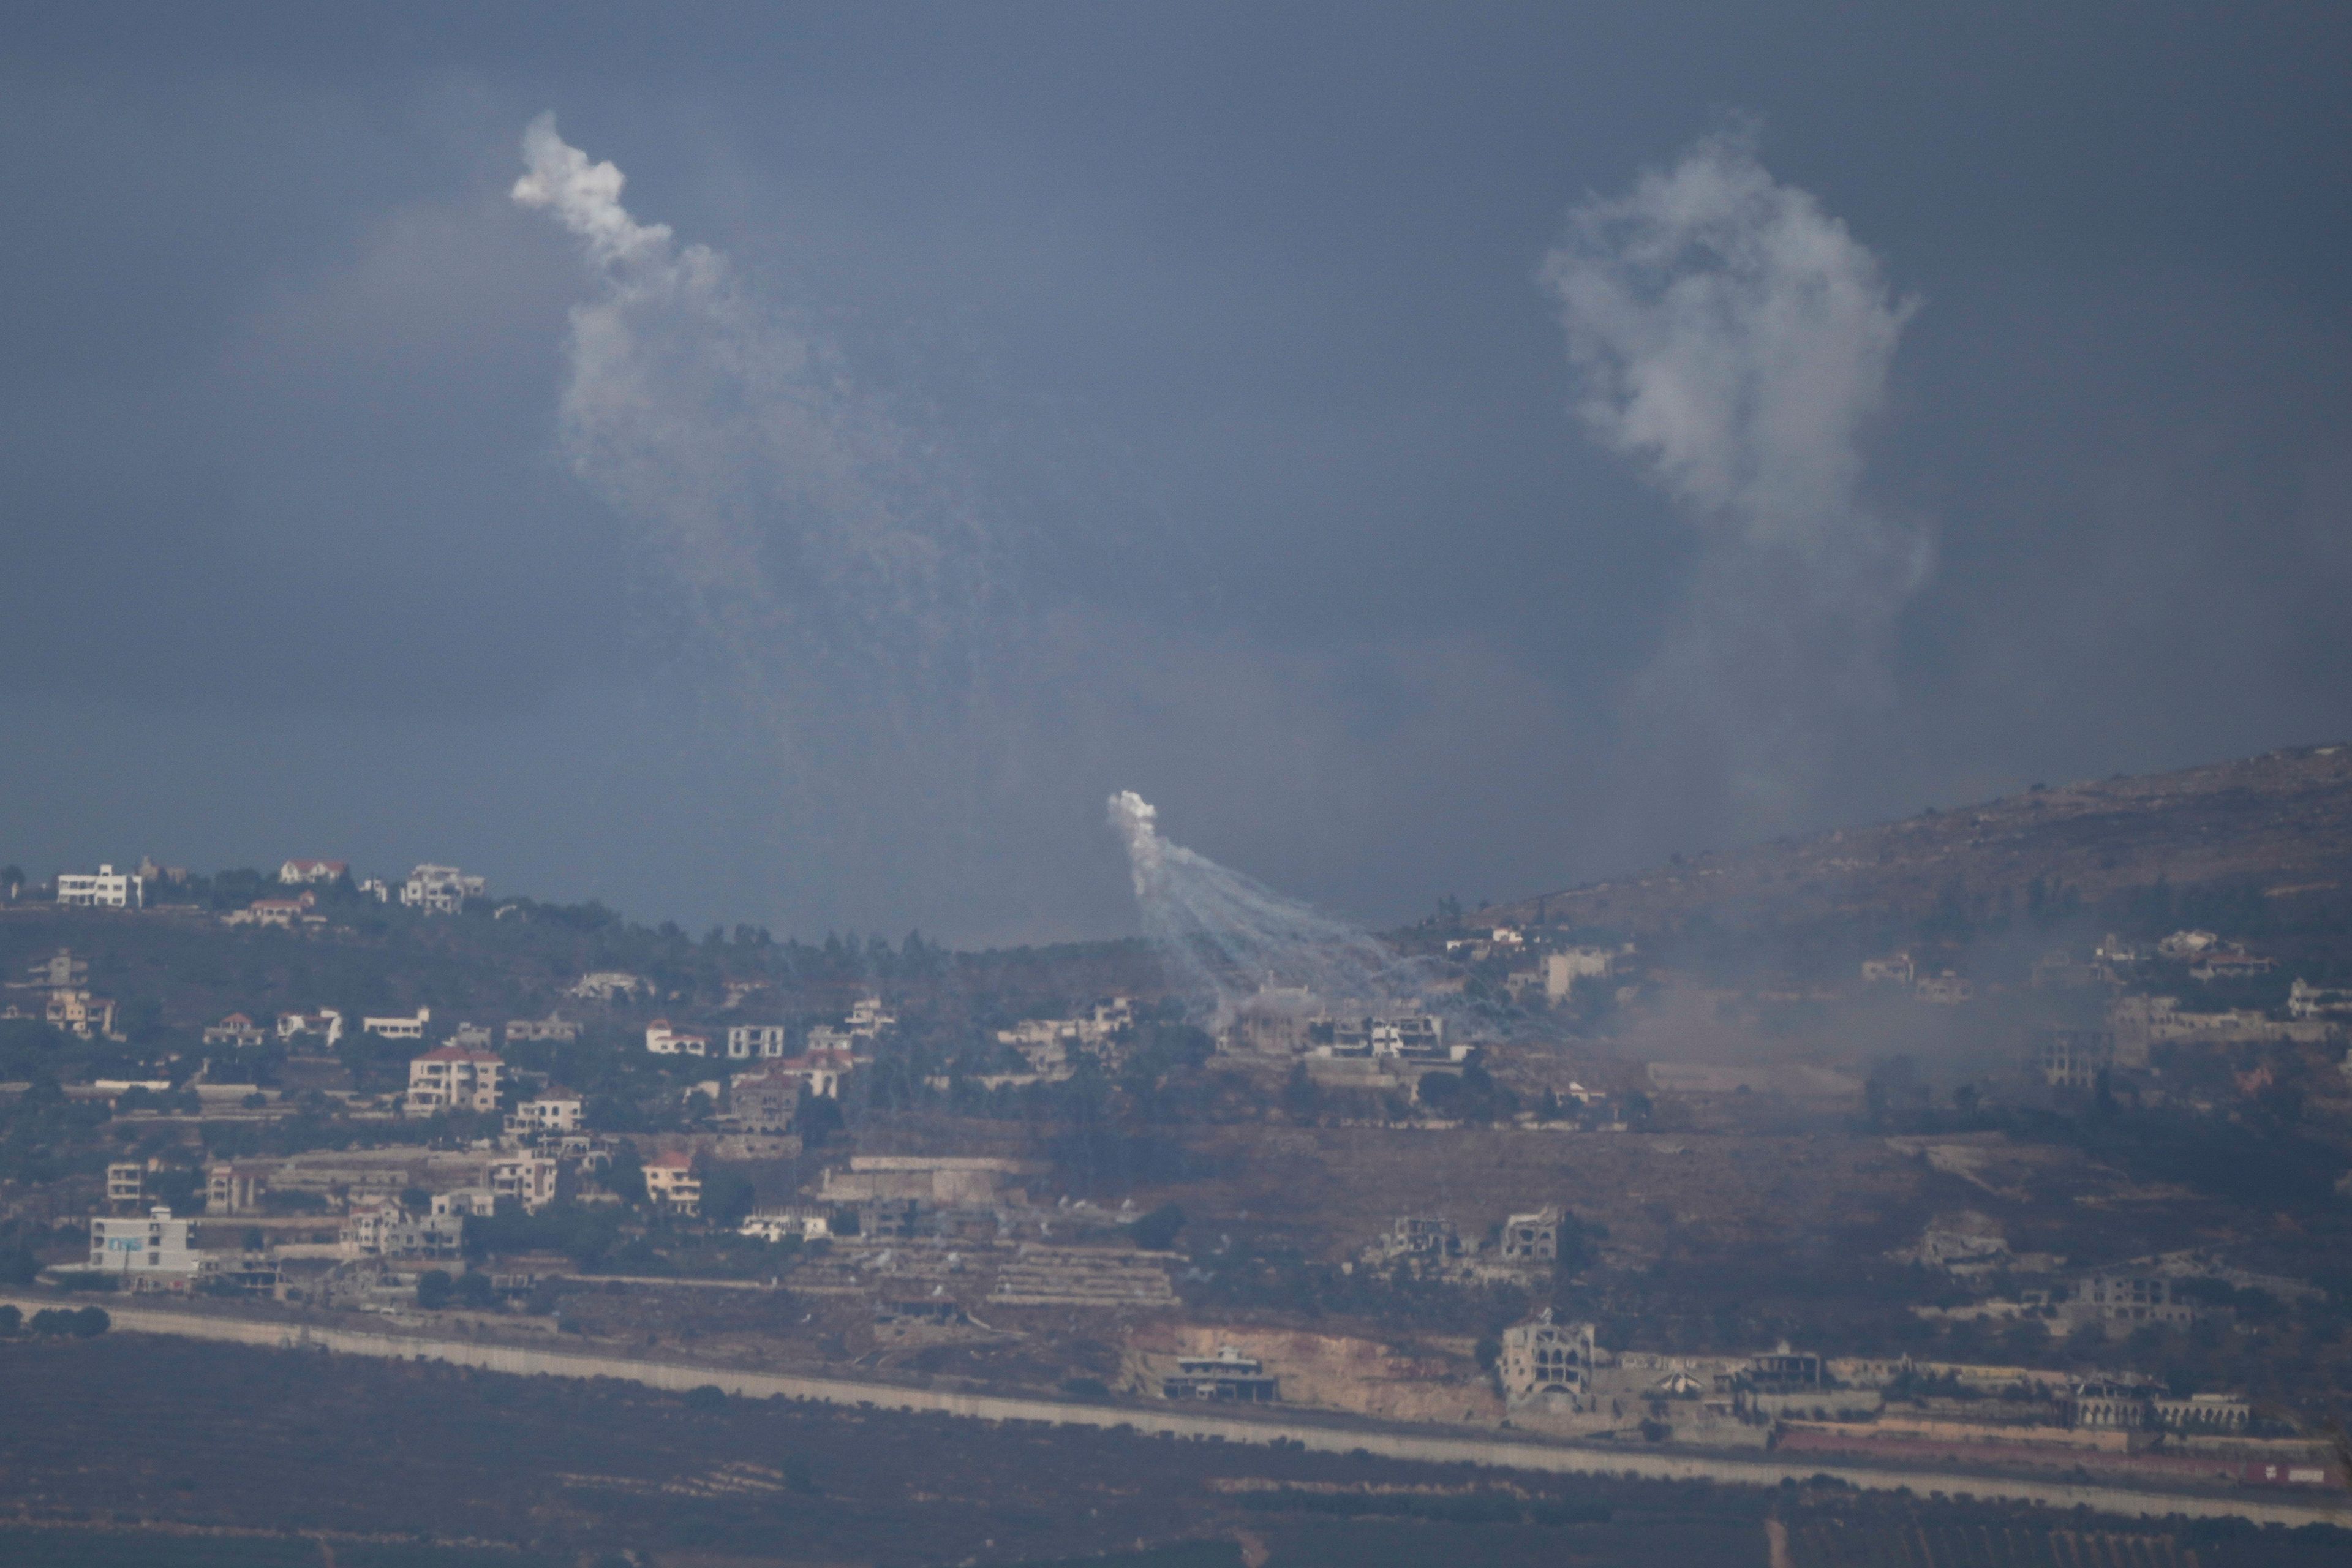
[
  {"x": 1227, "y": 1377},
  {"x": 1544, "y": 1358}
]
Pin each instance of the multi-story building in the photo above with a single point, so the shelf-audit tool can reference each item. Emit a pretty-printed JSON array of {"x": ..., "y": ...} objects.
[
  {"x": 440, "y": 889},
  {"x": 235, "y": 1186},
  {"x": 126, "y": 1183},
  {"x": 745, "y": 1041},
  {"x": 671, "y": 1182},
  {"x": 157, "y": 1247},
  {"x": 2122, "y": 1299},
  {"x": 534, "y": 1181},
  {"x": 451, "y": 1078},
  {"x": 764, "y": 1101},
  {"x": 1532, "y": 1237},
  {"x": 236, "y": 1029},
  {"x": 1227, "y": 1377},
  {"x": 107, "y": 889},
  {"x": 1545, "y": 1357},
  {"x": 79, "y": 1012},
  {"x": 550, "y": 1112},
  {"x": 384, "y": 1229}
]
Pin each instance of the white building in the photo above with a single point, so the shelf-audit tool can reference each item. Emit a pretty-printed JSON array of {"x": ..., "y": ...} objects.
[
  {"x": 552, "y": 1112},
  {"x": 157, "y": 1247},
  {"x": 440, "y": 889},
  {"x": 454, "y": 1078},
  {"x": 801, "y": 1222},
  {"x": 108, "y": 889},
  {"x": 662, "y": 1039},
  {"x": 555, "y": 1027},
  {"x": 326, "y": 1023},
  {"x": 384, "y": 1229},
  {"x": 532, "y": 1180},
  {"x": 745, "y": 1041},
  {"x": 296, "y": 872},
  {"x": 670, "y": 1181},
  {"x": 396, "y": 1027},
  {"x": 820, "y": 1072}
]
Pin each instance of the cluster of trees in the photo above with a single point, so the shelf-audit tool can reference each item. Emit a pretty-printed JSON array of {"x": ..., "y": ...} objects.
[{"x": 56, "y": 1322}]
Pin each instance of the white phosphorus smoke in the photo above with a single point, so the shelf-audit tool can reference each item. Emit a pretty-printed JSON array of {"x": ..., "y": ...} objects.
[
  {"x": 1222, "y": 935},
  {"x": 1735, "y": 338},
  {"x": 811, "y": 541}
]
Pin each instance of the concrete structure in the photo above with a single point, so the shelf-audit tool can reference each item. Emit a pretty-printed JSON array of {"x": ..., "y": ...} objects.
[
  {"x": 396, "y": 1027},
  {"x": 550, "y": 1112},
  {"x": 453, "y": 1079},
  {"x": 1228, "y": 1377},
  {"x": 236, "y": 1029},
  {"x": 664, "y": 1039},
  {"x": 126, "y": 1183},
  {"x": 606, "y": 984},
  {"x": 235, "y": 1186},
  {"x": 820, "y": 1072},
  {"x": 294, "y": 873},
  {"x": 1532, "y": 1237},
  {"x": 555, "y": 1027},
  {"x": 1895, "y": 969},
  {"x": 801, "y": 1221},
  {"x": 385, "y": 1230},
  {"x": 157, "y": 1247},
  {"x": 533, "y": 1181},
  {"x": 1414, "y": 1236},
  {"x": 79, "y": 1012},
  {"x": 746, "y": 1041},
  {"x": 440, "y": 889},
  {"x": 670, "y": 1181},
  {"x": 2109, "y": 1406},
  {"x": 326, "y": 1024},
  {"x": 1562, "y": 970},
  {"x": 1546, "y": 1359},
  {"x": 764, "y": 1101},
  {"x": 2073, "y": 1059},
  {"x": 2125, "y": 1302},
  {"x": 107, "y": 888}
]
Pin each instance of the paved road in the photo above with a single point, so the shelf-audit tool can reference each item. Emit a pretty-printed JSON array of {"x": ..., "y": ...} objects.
[{"x": 1330, "y": 1435}]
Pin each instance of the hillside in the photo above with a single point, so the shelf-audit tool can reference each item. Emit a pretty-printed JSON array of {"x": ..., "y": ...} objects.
[{"x": 2278, "y": 824}]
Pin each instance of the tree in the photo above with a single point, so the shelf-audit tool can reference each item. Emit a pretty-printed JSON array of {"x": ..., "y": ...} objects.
[
  {"x": 11, "y": 1321},
  {"x": 90, "y": 1322},
  {"x": 1156, "y": 1231},
  {"x": 434, "y": 1289},
  {"x": 475, "y": 1290}
]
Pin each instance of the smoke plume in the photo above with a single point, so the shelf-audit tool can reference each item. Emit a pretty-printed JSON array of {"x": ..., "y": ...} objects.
[
  {"x": 1735, "y": 340},
  {"x": 801, "y": 523},
  {"x": 1221, "y": 935}
]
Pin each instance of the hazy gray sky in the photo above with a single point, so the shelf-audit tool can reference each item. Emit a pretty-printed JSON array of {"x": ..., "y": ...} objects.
[{"x": 1445, "y": 451}]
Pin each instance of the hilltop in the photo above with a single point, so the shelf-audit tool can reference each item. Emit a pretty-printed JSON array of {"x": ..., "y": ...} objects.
[{"x": 2278, "y": 825}]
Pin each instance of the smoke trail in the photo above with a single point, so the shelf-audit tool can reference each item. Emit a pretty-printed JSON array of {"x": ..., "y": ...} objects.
[
  {"x": 1735, "y": 338},
  {"x": 800, "y": 523},
  {"x": 1222, "y": 935}
]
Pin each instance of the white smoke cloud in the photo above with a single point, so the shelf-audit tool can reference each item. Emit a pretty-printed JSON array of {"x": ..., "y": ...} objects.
[
  {"x": 802, "y": 523},
  {"x": 1735, "y": 338},
  {"x": 1221, "y": 935}
]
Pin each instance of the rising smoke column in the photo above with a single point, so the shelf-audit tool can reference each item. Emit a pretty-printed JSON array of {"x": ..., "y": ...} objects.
[
  {"x": 1221, "y": 934},
  {"x": 1734, "y": 339}
]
